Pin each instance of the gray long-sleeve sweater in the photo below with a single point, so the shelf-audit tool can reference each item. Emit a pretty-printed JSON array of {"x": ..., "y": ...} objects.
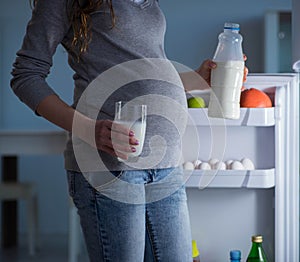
[{"x": 138, "y": 34}]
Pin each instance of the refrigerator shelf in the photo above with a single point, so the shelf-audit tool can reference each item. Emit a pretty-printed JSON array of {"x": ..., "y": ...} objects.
[
  {"x": 248, "y": 117},
  {"x": 259, "y": 178}
]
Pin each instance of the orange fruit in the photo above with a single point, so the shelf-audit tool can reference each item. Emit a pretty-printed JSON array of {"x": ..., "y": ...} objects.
[{"x": 253, "y": 97}]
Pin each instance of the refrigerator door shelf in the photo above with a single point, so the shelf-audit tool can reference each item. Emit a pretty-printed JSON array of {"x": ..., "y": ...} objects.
[
  {"x": 248, "y": 117},
  {"x": 260, "y": 178}
]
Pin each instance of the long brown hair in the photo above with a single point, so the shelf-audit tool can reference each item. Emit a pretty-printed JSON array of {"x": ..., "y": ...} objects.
[
  {"x": 81, "y": 22},
  {"x": 80, "y": 18}
]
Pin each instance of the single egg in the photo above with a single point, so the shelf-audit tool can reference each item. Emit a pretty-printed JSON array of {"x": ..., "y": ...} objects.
[
  {"x": 204, "y": 166},
  {"x": 197, "y": 163},
  {"x": 212, "y": 161},
  {"x": 228, "y": 163},
  {"x": 188, "y": 165},
  {"x": 247, "y": 163},
  {"x": 219, "y": 166},
  {"x": 237, "y": 165}
]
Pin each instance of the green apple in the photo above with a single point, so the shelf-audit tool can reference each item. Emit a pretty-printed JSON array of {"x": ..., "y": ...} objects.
[{"x": 196, "y": 102}]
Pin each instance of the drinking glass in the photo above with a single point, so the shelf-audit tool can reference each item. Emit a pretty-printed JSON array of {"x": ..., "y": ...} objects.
[{"x": 133, "y": 116}]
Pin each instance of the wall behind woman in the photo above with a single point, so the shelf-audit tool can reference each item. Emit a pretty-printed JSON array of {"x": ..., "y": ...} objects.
[
  {"x": 193, "y": 27},
  {"x": 46, "y": 171}
]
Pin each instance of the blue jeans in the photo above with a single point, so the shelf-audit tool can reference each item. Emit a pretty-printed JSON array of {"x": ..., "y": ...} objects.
[{"x": 157, "y": 229}]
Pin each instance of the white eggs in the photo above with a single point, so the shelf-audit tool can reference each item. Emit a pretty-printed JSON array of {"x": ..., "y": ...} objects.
[
  {"x": 197, "y": 163},
  {"x": 188, "y": 165},
  {"x": 220, "y": 165},
  {"x": 204, "y": 166},
  {"x": 228, "y": 163},
  {"x": 213, "y": 161},
  {"x": 237, "y": 165},
  {"x": 248, "y": 164},
  {"x": 216, "y": 164}
]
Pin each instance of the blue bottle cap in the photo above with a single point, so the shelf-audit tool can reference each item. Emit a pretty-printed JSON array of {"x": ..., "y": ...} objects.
[
  {"x": 232, "y": 26},
  {"x": 235, "y": 254}
]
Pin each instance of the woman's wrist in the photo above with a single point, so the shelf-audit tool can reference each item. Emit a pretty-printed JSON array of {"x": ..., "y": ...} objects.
[{"x": 83, "y": 127}]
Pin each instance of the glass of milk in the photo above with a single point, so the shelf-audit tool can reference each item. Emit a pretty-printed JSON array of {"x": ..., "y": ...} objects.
[{"x": 133, "y": 116}]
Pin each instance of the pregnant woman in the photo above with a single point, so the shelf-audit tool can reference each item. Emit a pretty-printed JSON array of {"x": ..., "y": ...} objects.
[{"x": 140, "y": 213}]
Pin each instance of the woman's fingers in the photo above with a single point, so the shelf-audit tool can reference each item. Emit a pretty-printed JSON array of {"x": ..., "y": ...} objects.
[
  {"x": 119, "y": 128},
  {"x": 245, "y": 73},
  {"x": 205, "y": 69},
  {"x": 111, "y": 151},
  {"x": 115, "y": 139},
  {"x": 122, "y": 134}
]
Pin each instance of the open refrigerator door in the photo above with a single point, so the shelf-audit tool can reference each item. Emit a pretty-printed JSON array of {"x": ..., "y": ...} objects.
[{"x": 229, "y": 205}]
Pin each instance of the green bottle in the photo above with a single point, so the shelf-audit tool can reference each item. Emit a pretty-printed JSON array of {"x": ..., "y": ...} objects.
[{"x": 257, "y": 253}]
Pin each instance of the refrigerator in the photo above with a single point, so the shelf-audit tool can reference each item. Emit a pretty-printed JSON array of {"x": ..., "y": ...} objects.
[{"x": 228, "y": 206}]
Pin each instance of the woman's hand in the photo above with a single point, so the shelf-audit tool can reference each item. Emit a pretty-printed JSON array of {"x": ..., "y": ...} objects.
[
  {"x": 205, "y": 70},
  {"x": 97, "y": 133},
  {"x": 246, "y": 71},
  {"x": 114, "y": 139}
]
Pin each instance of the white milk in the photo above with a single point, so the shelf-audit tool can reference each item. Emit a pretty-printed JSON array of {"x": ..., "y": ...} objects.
[
  {"x": 139, "y": 129},
  {"x": 226, "y": 84}
]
